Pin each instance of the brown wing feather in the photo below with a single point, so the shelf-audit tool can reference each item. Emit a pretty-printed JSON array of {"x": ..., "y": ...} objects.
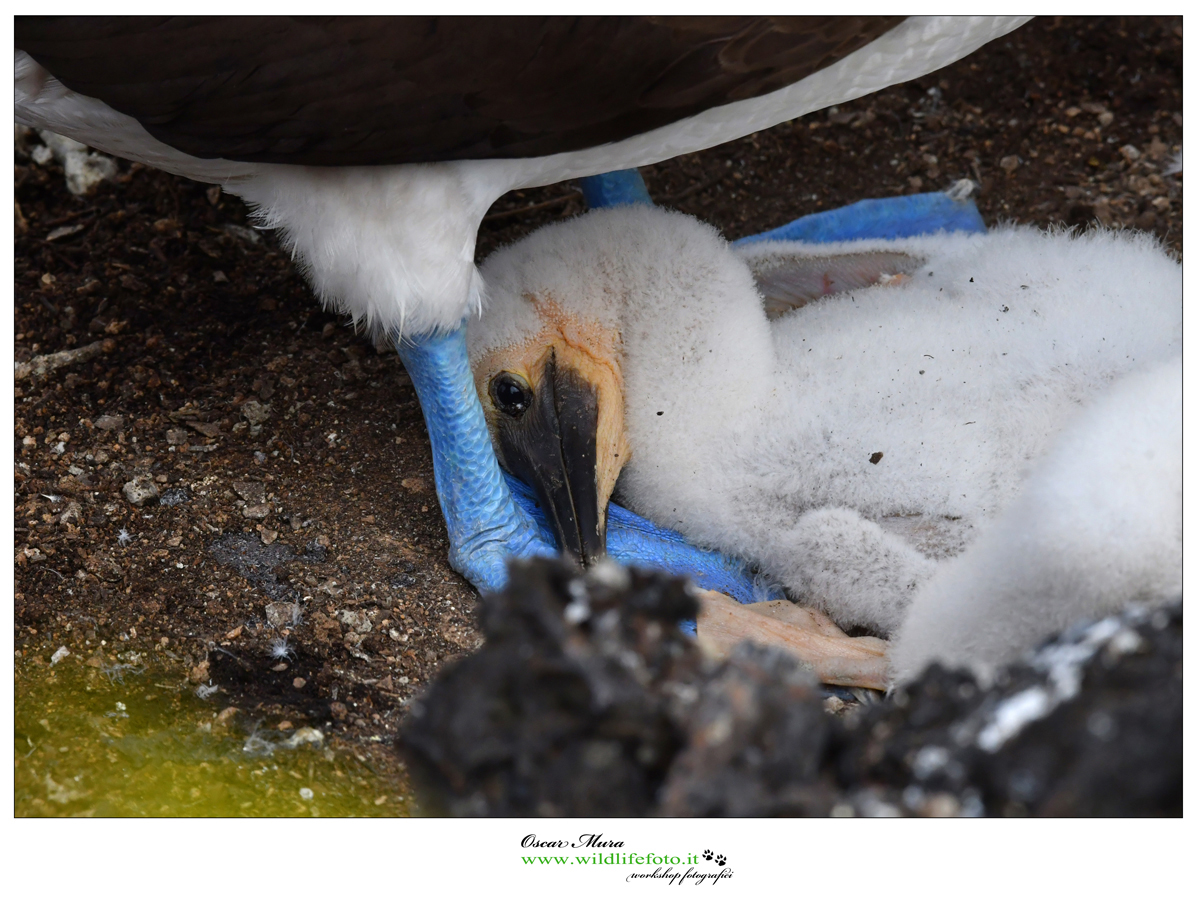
[
  {"x": 790, "y": 281},
  {"x": 362, "y": 91}
]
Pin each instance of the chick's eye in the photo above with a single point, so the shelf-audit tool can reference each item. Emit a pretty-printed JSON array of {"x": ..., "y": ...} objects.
[{"x": 511, "y": 394}]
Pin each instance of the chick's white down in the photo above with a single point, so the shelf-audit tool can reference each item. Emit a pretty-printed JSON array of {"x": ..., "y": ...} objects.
[{"x": 758, "y": 437}]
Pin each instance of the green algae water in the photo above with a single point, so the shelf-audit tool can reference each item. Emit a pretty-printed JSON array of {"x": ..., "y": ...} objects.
[{"x": 115, "y": 740}]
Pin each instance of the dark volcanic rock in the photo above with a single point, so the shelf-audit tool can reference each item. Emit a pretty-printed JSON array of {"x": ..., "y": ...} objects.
[
  {"x": 757, "y": 742},
  {"x": 567, "y": 709},
  {"x": 586, "y": 700},
  {"x": 1092, "y": 724}
]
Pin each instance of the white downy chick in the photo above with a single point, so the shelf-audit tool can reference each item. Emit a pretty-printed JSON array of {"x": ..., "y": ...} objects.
[
  {"x": 850, "y": 444},
  {"x": 1097, "y": 526}
]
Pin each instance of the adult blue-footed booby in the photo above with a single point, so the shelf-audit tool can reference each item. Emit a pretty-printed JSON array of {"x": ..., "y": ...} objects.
[
  {"x": 376, "y": 146},
  {"x": 848, "y": 416}
]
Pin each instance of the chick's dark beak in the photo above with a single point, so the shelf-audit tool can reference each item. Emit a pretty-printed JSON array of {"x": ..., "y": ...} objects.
[{"x": 552, "y": 448}]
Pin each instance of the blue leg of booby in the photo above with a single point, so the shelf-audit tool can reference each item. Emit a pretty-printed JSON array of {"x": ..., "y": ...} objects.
[
  {"x": 485, "y": 525},
  {"x": 621, "y": 188}
]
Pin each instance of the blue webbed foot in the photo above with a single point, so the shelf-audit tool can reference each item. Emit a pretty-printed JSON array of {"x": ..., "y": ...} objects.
[{"x": 634, "y": 541}]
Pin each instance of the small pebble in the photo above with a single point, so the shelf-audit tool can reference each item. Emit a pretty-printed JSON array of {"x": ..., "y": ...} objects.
[
  {"x": 73, "y": 513},
  {"x": 256, "y": 413},
  {"x": 251, "y": 491},
  {"x": 279, "y": 613},
  {"x": 109, "y": 423},
  {"x": 140, "y": 491},
  {"x": 306, "y": 793},
  {"x": 174, "y": 497},
  {"x": 304, "y": 735}
]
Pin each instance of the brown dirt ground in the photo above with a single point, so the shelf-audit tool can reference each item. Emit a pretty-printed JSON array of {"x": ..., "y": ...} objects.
[{"x": 1065, "y": 121}]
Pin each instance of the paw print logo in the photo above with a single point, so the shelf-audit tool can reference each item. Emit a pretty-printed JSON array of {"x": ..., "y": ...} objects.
[
  {"x": 720, "y": 860},
  {"x": 708, "y": 855}
]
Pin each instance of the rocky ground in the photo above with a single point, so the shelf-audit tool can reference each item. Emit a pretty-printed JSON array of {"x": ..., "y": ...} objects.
[
  {"x": 587, "y": 700},
  {"x": 223, "y": 481}
]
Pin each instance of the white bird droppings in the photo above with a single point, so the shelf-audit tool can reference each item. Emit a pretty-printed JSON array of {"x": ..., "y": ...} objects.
[{"x": 1014, "y": 714}]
